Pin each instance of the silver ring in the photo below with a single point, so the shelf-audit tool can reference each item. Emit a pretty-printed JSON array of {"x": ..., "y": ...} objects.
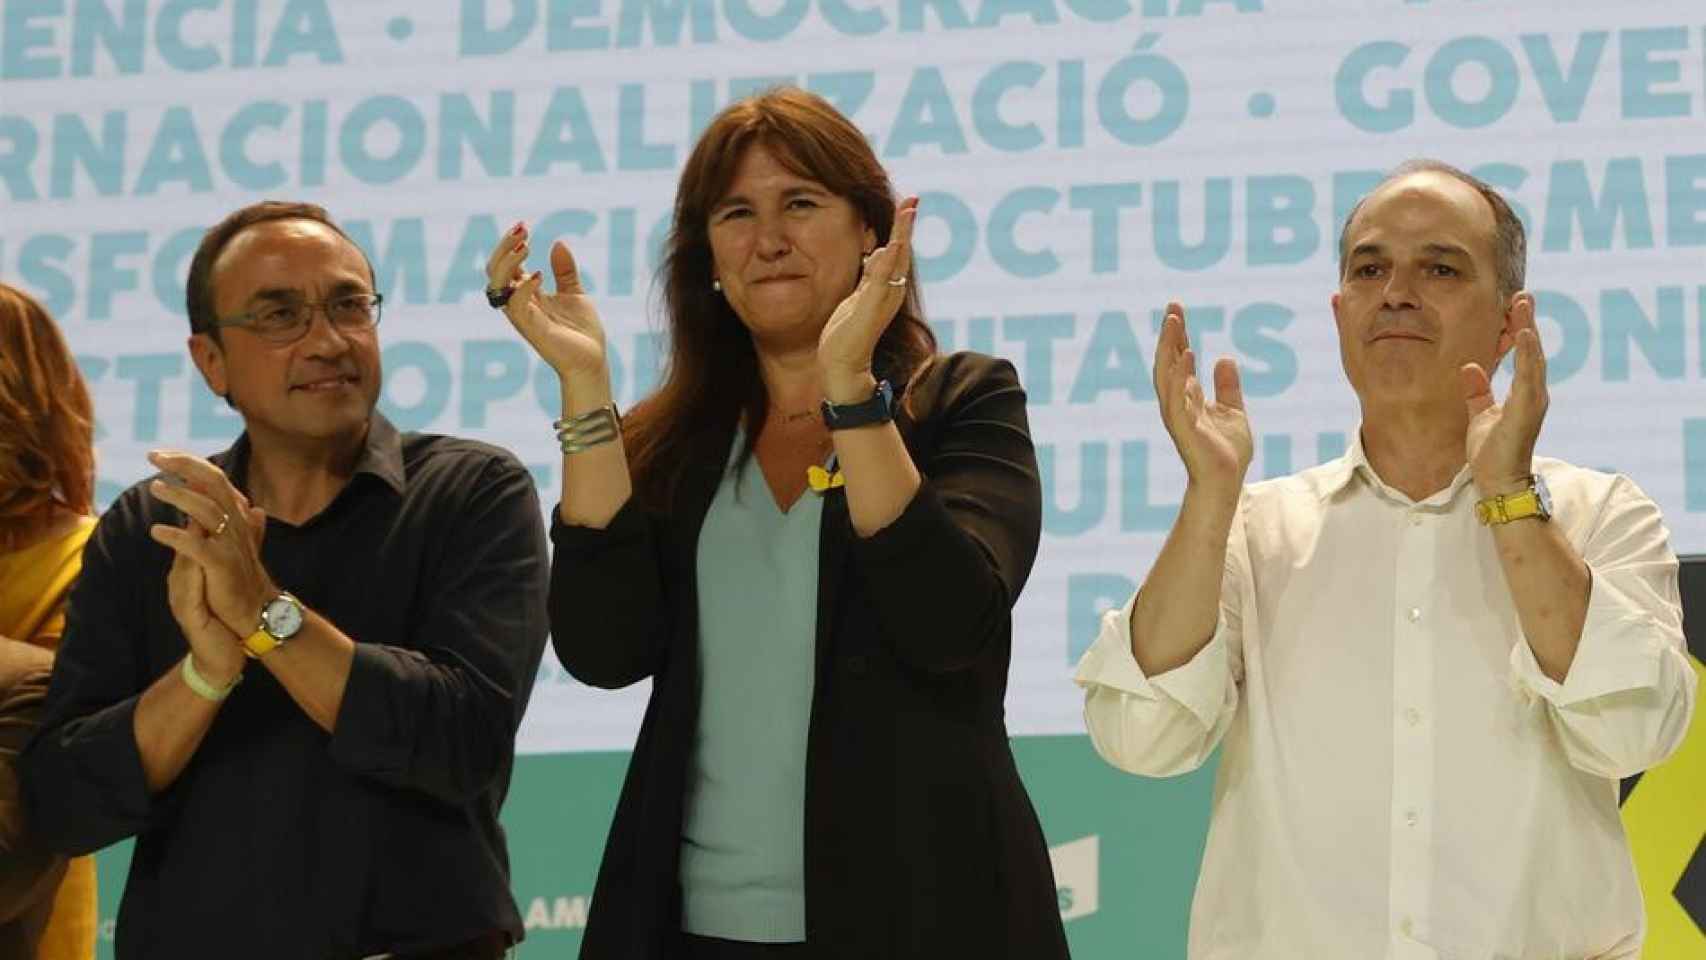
[
  {"x": 899, "y": 281},
  {"x": 224, "y": 521}
]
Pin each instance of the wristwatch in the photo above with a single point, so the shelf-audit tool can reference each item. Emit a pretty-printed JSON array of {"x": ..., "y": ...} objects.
[
  {"x": 281, "y": 618},
  {"x": 878, "y": 409},
  {"x": 1536, "y": 501}
]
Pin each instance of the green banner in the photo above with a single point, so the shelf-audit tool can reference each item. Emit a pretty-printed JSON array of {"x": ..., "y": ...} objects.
[{"x": 1125, "y": 849}]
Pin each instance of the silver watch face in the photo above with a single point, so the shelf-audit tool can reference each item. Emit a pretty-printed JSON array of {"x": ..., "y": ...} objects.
[
  {"x": 1544, "y": 495},
  {"x": 282, "y": 617}
]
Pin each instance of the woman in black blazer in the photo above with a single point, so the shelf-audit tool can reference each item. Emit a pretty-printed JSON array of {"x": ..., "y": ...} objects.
[{"x": 797, "y": 345}]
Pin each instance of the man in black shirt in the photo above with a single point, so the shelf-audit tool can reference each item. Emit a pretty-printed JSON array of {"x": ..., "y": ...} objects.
[{"x": 295, "y": 671}]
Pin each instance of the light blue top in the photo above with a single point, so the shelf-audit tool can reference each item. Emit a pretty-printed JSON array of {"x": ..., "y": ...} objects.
[{"x": 743, "y": 837}]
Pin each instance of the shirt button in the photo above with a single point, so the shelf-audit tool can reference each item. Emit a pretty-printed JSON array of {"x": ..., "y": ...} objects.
[
  {"x": 1415, "y": 519},
  {"x": 1410, "y": 819},
  {"x": 1413, "y": 715},
  {"x": 1415, "y": 614},
  {"x": 1406, "y": 927}
]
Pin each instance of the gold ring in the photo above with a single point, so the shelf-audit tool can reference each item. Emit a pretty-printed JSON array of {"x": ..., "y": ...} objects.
[
  {"x": 899, "y": 281},
  {"x": 224, "y": 520}
]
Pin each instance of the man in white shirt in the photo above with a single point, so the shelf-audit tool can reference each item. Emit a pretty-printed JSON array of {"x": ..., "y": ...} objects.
[{"x": 1429, "y": 661}]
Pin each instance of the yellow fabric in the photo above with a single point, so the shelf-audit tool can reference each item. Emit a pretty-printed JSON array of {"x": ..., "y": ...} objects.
[
  {"x": 70, "y": 933},
  {"x": 34, "y": 585},
  {"x": 820, "y": 479},
  {"x": 1666, "y": 824}
]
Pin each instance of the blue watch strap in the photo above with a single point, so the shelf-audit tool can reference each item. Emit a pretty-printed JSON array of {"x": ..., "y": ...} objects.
[{"x": 878, "y": 409}]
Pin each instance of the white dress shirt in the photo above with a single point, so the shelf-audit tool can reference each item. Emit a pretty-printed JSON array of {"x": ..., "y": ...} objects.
[{"x": 1399, "y": 779}]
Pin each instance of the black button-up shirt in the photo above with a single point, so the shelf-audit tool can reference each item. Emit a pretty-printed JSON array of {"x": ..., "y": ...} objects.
[{"x": 279, "y": 839}]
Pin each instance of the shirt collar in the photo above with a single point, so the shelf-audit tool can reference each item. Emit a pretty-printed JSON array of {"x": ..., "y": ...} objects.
[
  {"x": 381, "y": 455},
  {"x": 1337, "y": 474},
  {"x": 1354, "y": 464}
]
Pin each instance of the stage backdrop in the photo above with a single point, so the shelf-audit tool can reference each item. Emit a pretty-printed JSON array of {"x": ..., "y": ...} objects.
[{"x": 1080, "y": 163}]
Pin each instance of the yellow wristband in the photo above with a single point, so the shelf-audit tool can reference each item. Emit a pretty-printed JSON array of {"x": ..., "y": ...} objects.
[
  {"x": 259, "y": 644},
  {"x": 198, "y": 683}
]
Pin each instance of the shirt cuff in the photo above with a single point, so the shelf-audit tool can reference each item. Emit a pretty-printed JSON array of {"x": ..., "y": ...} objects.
[
  {"x": 627, "y": 525},
  {"x": 101, "y": 765},
  {"x": 1619, "y": 650},
  {"x": 1199, "y": 685},
  {"x": 362, "y": 738}
]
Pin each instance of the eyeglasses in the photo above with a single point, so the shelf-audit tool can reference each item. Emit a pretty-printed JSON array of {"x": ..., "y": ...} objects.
[{"x": 289, "y": 322}]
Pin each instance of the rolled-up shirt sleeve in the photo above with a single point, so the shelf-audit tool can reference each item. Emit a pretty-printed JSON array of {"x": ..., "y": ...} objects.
[
  {"x": 1170, "y": 723},
  {"x": 1626, "y": 701},
  {"x": 439, "y": 714},
  {"x": 610, "y": 603}
]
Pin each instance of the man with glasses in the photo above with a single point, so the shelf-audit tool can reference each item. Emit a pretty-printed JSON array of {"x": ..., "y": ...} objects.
[{"x": 294, "y": 670}]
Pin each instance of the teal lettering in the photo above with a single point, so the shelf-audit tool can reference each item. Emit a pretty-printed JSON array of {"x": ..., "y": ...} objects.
[
  {"x": 305, "y": 29},
  {"x": 404, "y": 362},
  {"x": 1137, "y": 512},
  {"x": 358, "y": 126},
  {"x": 668, "y": 18},
  {"x": 1642, "y": 71},
  {"x": 1092, "y": 490},
  {"x": 1004, "y": 246},
  {"x": 1350, "y": 89},
  {"x": 1660, "y": 339},
  {"x": 1113, "y": 362},
  {"x": 926, "y": 116},
  {"x": 1170, "y": 244},
  {"x": 1565, "y": 92},
  {"x": 121, "y": 36},
  {"x": 460, "y": 129},
  {"x": 1038, "y": 332},
  {"x": 176, "y": 155},
  {"x": 1105, "y": 201},
  {"x": 565, "y": 136},
  {"x": 478, "y": 37},
  {"x": 1623, "y": 197},
  {"x": 75, "y": 147}
]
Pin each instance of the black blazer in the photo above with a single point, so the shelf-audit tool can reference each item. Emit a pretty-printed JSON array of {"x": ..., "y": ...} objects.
[{"x": 920, "y": 840}]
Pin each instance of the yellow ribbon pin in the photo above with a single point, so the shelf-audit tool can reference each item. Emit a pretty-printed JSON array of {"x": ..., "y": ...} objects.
[{"x": 821, "y": 480}]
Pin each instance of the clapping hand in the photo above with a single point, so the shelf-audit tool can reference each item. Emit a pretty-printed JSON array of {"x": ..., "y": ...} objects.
[
  {"x": 849, "y": 338},
  {"x": 1213, "y": 439},
  {"x": 563, "y": 327}
]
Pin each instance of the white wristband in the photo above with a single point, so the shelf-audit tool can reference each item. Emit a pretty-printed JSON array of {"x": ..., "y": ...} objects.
[{"x": 198, "y": 683}]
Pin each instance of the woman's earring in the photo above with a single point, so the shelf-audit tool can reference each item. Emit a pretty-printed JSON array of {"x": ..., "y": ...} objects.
[{"x": 717, "y": 285}]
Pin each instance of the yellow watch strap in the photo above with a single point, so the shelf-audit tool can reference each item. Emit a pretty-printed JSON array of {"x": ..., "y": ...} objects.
[
  {"x": 259, "y": 644},
  {"x": 1507, "y": 507}
]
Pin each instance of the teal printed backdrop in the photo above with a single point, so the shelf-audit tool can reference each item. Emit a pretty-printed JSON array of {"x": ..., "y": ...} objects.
[{"x": 1080, "y": 162}]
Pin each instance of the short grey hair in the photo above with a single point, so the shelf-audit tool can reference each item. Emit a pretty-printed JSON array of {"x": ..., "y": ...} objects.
[{"x": 1510, "y": 243}]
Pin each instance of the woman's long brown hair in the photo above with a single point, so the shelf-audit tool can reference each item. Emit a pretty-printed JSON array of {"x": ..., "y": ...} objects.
[
  {"x": 712, "y": 381},
  {"x": 47, "y": 423}
]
